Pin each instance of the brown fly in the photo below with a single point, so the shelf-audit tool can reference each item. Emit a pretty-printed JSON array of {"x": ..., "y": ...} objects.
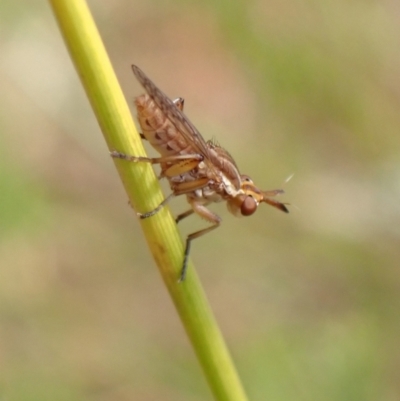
[{"x": 203, "y": 171}]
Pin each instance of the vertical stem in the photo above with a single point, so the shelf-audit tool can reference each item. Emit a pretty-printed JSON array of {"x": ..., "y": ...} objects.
[{"x": 94, "y": 68}]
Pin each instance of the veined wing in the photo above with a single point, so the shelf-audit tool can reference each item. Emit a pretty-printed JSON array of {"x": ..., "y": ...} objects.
[{"x": 175, "y": 116}]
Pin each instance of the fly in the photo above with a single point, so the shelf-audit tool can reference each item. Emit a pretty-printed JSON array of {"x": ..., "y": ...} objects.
[{"x": 202, "y": 170}]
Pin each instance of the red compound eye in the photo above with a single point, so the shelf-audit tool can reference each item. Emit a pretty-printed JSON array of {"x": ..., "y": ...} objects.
[{"x": 249, "y": 206}]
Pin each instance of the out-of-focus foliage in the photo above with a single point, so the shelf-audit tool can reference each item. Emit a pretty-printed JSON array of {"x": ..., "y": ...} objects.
[{"x": 308, "y": 302}]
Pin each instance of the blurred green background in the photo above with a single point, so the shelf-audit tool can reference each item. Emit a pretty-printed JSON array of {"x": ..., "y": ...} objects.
[{"x": 309, "y": 303}]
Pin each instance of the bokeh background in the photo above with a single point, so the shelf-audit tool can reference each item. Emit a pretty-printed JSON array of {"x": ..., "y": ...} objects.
[{"x": 309, "y": 302}]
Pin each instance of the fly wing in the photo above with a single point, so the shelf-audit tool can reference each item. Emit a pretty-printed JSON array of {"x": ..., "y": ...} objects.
[{"x": 175, "y": 116}]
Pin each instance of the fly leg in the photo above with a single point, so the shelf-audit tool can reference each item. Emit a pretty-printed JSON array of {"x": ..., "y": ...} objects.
[
  {"x": 157, "y": 160},
  {"x": 157, "y": 209},
  {"x": 179, "y": 189},
  {"x": 180, "y": 164},
  {"x": 188, "y": 213},
  {"x": 183, "y": 215},
  {"x": 206, "y": 214}
]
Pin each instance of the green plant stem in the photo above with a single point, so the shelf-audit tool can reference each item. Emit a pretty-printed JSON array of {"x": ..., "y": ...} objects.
[{"x": 94, "y": 68}]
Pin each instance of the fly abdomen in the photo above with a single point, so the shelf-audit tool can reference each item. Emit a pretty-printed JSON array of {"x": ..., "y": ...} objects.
[{"x": 157, "y": 129}]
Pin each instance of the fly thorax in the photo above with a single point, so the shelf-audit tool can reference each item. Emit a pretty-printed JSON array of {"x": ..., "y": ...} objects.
[{"x": 228, "y": 187}]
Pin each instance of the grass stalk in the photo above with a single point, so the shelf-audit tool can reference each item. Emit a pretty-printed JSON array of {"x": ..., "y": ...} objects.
[{"x": 112, "y": 112}]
